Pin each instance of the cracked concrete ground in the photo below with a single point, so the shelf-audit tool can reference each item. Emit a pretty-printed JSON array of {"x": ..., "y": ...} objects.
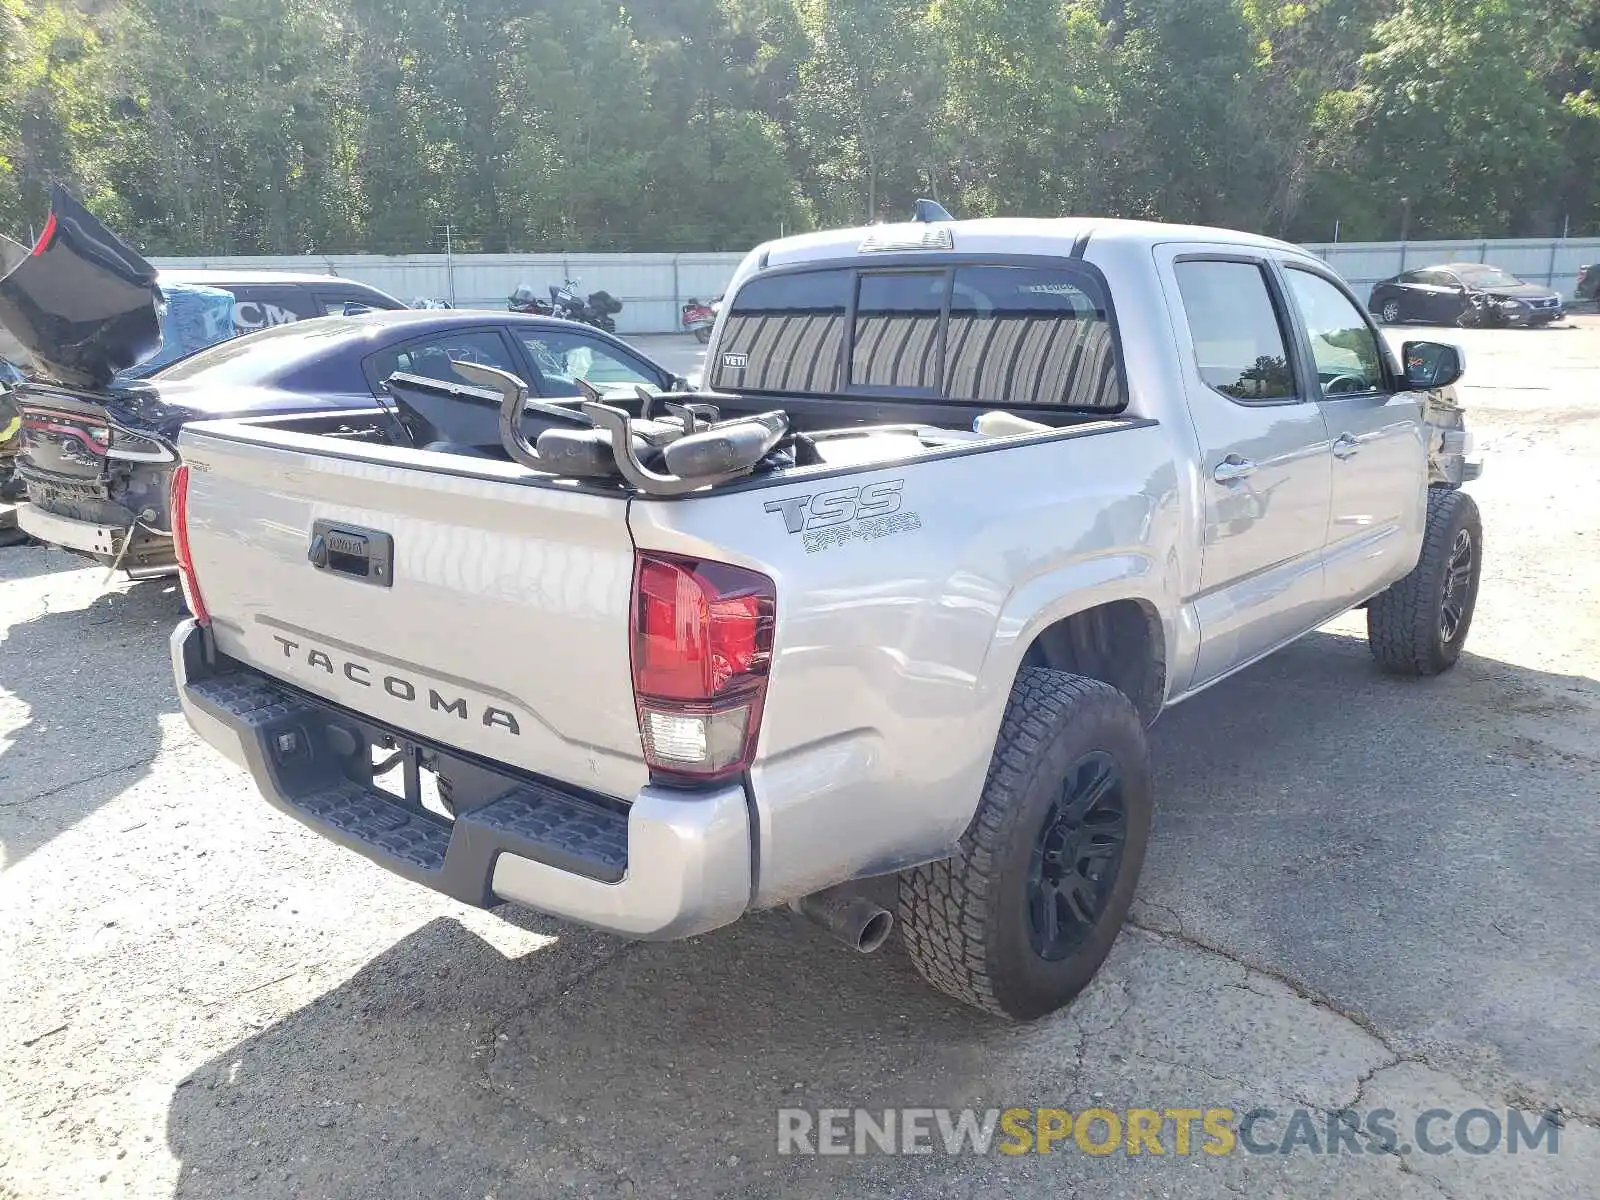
[{"x": 1361, "y": 894}]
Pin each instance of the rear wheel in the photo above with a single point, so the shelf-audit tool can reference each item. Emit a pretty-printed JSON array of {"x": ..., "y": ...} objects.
[
  {"x": 1390, "y": 312},
  {"x": 1020, "y": 919},
  {"x": 1419, "y": 625}
]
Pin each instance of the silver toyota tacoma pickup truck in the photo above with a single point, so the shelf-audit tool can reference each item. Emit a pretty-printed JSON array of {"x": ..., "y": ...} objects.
[{"x": 1016, "y": 486}]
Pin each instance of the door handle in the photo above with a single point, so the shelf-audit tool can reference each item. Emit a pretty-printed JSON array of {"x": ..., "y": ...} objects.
[
  {"x": 1232, "y": 468},
  {"x": 1345, "y": 446}
]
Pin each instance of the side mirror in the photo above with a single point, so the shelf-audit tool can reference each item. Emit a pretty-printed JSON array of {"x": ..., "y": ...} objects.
[
  {"x": 680, "y": 383},
  {"x": 1431, "y": 365},
  {"x": 353, "y": 308}
]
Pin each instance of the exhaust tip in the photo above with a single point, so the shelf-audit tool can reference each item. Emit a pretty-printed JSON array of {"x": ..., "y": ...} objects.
[
  {"x": 875, "y": 932},
  {"x": 852, "y": 918}
]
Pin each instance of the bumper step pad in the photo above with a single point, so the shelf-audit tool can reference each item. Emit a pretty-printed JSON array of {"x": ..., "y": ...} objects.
[
  {"x": 533, "y": 820},
  {"x": 574, "y": 834},
  {"x": 381, "y": 821}
]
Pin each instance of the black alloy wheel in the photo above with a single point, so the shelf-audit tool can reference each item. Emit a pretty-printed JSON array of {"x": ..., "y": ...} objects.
[{"x": 1076, "y": 857}]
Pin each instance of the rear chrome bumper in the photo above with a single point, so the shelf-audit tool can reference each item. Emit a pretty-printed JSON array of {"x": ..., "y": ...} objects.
[
  {"x": 674, "y": 864},
  {"x": 150, "y": 556}
]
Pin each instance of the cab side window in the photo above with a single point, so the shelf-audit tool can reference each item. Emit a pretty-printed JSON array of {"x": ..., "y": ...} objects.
[
  {"x": 1239, "y": 345},
  {"x": 434, "y": 357},
  {"x": 1343, "y": 345},
  {"x": 338, "y": 306},
  {"x": 563, "y": 358},
  {"x": 342, "y": 302}
]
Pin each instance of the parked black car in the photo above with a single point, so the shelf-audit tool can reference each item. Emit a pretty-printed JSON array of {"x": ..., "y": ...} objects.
[
  {"x": 1470, "y": 294},
  {"x": 97, "y": 455}
]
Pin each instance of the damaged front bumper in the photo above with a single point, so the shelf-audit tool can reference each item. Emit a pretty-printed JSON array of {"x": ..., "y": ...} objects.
[
  {"x": 1451, "y": 457},
  {"x": 143, "y": 553}
]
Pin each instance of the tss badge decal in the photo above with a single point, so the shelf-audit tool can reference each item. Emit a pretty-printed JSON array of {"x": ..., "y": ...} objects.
[{"x": 842, "y": 515}]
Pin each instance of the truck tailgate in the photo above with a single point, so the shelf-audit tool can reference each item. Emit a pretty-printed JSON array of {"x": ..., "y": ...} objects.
[{"x": 472, "y": 610}]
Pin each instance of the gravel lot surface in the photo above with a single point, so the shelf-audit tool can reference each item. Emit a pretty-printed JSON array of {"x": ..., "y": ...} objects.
[{"x": 1360, "y": 892}]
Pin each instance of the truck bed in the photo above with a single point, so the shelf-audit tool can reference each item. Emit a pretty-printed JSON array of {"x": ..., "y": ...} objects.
[{"x": 854, "y": 434}]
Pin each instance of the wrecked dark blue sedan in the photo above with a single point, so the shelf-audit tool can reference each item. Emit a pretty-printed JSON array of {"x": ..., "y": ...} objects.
[{"x": 99, "y": 447}]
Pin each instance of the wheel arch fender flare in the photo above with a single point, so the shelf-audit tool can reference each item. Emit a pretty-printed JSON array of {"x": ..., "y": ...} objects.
[{"x": 1049, "y": 599}]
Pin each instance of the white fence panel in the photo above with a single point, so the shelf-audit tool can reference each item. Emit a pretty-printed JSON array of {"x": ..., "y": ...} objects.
[{"x": 653, "y": 287}]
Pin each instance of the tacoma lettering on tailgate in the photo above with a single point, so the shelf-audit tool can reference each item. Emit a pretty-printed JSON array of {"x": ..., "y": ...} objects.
[{"x": 398, "y": 686}]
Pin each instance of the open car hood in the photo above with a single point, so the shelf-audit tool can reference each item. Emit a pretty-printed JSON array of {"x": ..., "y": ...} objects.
[{"x": 82, "y": 302}]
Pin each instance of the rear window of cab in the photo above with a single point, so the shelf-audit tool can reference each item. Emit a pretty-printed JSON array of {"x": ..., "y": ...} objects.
[{"x": 1022, "y": 336}]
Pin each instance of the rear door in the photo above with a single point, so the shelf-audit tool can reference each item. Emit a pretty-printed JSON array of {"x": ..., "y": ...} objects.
[
  {"x": 1378, "y": 452},
  {"x": 1438, "y": 296},
  {"x": 1263, "y": 451}
]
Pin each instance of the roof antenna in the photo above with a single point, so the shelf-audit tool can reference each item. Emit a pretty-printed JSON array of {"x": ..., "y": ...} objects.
[{"x": 930, "y": 210}]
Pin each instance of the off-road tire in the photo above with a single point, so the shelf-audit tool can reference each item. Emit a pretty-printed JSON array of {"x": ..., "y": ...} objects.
[
  {"x": 1404, "y": 626},
  {"x": 965, "y": 919}
]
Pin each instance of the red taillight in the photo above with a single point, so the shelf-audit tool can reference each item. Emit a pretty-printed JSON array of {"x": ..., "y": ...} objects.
[
  {"x": 48, "y": 236},
  {"x": 94, "y": 437},
  {"x": 180, "y": 545},
  {"x": 702, "y": 644}
]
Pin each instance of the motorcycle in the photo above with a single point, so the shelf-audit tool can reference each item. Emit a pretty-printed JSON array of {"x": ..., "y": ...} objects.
[
  {"x": 525, "y": 300},
  {"x": 597, "y": 309},
  {"x": 565, "y": 301},
  {"x": 697, "y": 318}
]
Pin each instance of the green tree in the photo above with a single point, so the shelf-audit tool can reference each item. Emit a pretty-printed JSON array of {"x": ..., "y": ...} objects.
[
  {"x": 50, "y": 58},
  {"x": 868, "y": 90},
  {"x": 1025, "y": 124},
  {"x": 211, "y": 126},
  {"x": 1454, "y": 116}
]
